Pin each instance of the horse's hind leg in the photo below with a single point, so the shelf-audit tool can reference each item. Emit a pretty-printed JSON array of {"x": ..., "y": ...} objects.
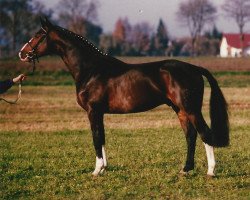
[
  {"x": 191, "y": 135},
  {"x": 206, "y": 136},
  {"x": 210, "y": 159}
]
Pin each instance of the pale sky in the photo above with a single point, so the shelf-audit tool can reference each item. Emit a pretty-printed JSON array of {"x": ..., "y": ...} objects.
[{"x": 151, "y": 11}]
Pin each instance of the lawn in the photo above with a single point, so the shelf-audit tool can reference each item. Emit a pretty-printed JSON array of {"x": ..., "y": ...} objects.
[
  {"x": 47, "y": 152},
  {"x": 230, "y": 72}
]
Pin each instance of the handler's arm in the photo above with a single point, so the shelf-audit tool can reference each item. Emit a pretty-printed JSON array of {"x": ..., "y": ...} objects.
[{"x": 5, "y": 85}]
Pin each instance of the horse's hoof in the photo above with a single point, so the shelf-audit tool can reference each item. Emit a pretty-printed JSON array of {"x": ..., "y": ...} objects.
[
  {"x": 102, "y": 170},
  {"x": 95, "y": 174},
  {"x": 183, "y": 173},
  {"x": 210, "y": 176},
  {"x": 98, "y": 172}
]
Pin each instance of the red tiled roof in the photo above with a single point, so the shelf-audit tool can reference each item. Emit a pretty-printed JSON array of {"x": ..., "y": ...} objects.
[{"x": 233, "y": 40}]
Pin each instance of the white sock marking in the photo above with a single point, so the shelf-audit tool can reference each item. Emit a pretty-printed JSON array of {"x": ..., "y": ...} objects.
[
  {"x": 104, "y": 156},
  {"x": 98, "y": 166},
  {"x": 210, "y": 159},
  {"x": 101, "y": 163}
]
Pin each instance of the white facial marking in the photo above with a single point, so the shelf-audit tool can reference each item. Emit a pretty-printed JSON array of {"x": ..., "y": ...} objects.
[
  {"x": 210, "y": 159},
  {"x": 24, "y": 46},
  {"x": 20, "y": 56}
]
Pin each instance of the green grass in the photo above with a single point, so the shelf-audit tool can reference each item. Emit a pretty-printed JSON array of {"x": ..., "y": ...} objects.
[
  {"x": 46, "y": 149},
  {"x": 143, "y": 164},
  {"x": 52, "y": 157},
  {"x": 230, "y": 72},
  {"x": 225, "y": 78},
  {"x": 233, "y": 78},
  {"x": 47, "y": 78}
]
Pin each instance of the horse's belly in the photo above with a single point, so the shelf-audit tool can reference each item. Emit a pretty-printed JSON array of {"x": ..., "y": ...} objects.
[
  {"x": 133, "y": 102},
  {"x": 133, "y": 92}
]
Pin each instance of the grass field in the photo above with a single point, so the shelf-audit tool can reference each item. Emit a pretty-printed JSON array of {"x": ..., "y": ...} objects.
[
  {"x": 47, "y": 153},
  {"x": 230, "y": 72}
]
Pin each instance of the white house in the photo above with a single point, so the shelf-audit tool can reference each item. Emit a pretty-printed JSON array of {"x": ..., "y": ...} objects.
[{"x": 231, "y": 45}]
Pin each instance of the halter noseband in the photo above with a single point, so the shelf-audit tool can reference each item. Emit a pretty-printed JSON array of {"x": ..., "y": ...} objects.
[{"x": 32, "y": 55}]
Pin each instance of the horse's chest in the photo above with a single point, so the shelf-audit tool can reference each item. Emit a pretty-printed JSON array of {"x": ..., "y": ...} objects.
[
  {"x": 82, "y": 99},
  {"x": 90, "y": 96}
]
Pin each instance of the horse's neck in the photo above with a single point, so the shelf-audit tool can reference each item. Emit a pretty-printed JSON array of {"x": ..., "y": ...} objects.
[
  {"x": 72, "y": 64},
  {"x": 79, "y": 61}
]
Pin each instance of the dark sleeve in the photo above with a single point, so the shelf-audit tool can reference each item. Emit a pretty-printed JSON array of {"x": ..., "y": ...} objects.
[{"x": 5, "y": 85}]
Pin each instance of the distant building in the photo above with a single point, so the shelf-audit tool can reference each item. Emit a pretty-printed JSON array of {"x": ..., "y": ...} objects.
[{"x": 231, "y": 45}]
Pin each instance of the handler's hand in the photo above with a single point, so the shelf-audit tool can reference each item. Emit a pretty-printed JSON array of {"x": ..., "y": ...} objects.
[{"x": 21, "y": 77}]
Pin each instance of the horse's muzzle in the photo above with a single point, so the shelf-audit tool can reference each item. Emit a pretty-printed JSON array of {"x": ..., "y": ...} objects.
[{"x": 23, "y": 57}]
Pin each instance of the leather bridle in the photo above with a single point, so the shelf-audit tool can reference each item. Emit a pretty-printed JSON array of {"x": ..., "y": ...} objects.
[{"x": 32, "y": 54}]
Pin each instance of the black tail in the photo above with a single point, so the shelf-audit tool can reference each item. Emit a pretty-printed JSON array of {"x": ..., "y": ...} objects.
[{"x": 218, "y": 112}]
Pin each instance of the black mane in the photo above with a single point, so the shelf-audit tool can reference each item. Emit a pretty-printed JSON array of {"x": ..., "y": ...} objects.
[{"x": 79, "y": 38}]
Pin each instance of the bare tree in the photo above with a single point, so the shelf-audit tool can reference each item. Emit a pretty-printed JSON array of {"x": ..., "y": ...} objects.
[
  {"x": 16, "y": 22},
  {"x": 239, "y": 10},
  {"x": 120, "y": 32},
  {"x": 122, "y": 37},
  {"x": 74, "y": 14},
  {"x": 196, "y": 14}
]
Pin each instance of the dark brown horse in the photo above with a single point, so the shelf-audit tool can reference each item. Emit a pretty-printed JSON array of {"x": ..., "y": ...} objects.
[{"x": 107, "y": 85}]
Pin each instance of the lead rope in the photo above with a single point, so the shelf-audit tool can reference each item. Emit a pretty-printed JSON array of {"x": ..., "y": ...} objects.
[
  {"x": 34, "y": 59},
  {"x": 20, "y": 84},
  {"x": 18, "y": 96}
]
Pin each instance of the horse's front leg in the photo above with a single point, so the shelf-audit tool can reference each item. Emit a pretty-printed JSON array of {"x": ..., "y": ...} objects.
[{"x": 97, "y": 127}]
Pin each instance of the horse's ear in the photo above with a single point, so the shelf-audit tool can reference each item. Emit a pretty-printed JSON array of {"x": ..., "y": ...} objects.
[
  {"x": 45, "y": 23},
  {"x": 48, "y": 23}
]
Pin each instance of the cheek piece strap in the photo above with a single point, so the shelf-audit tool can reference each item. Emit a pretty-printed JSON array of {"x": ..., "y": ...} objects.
[{"x": 32, "y": 55}]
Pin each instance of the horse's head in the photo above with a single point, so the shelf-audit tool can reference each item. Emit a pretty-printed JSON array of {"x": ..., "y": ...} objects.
[{"x": 37, "y": 46}]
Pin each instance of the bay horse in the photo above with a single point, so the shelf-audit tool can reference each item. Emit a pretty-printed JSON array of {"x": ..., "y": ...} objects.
[{"x": 105, "y": 84}]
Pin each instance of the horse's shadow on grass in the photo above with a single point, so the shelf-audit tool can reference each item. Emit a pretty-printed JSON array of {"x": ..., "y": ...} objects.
[
  {"x": 233, "y": 174},
  {"x": 110, "y": 168},
  {"x": 86, "y": 170}
]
